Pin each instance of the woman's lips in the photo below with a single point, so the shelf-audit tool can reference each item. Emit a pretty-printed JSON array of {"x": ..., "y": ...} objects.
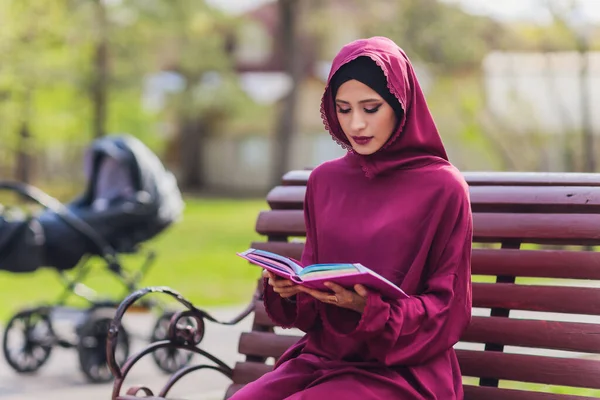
[{"x": 362, "y": 140}]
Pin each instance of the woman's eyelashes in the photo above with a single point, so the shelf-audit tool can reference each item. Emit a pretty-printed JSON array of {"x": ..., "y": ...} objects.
[
  {"x": 372, "y": 110},
  {"x": 367, "y": 110}
]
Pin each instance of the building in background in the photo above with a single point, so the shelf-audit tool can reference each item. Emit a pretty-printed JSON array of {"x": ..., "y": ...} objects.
[{"x": 538, "y": 97}]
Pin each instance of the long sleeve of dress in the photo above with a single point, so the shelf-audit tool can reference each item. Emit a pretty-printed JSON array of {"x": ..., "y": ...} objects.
[
  {"x": 301, "y": 312},
  {"x": 410, "y": 331}
]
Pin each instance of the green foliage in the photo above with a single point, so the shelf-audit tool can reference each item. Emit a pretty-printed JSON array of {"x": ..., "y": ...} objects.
[
  {"x": 48, "y": 48},
  {"x": 47, "y": 67},
  {"x": 435, "y": 32}
]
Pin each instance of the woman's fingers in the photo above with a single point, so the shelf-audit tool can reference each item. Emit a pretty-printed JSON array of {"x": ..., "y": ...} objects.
[
  {"x": 281, "y": 283},
  {"x": 321, "y": 296},
  {"x": 279, "y": 289},
  {"x": 277, "y": 281},
  {"x": 340, "y": 297},
  {"x": 283, "y": 287},
  {"x": 287, "y": 292},
  {"x": 361, "y": 290}
]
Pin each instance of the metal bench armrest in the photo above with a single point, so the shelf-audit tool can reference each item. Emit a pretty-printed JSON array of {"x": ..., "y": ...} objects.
[{"x": 186, "y": 337}]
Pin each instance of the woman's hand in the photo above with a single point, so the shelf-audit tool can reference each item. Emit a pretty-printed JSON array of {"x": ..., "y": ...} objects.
[
  {"x": 354, "y": 300},
  {"x": 284, "y": 287}
]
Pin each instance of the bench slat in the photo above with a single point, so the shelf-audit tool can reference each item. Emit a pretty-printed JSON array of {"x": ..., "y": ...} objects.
[
  {"x": 535, "y": 199},
  {"x": 531, "y": 179},
  {"x": 492, "y": 393},
  {"x": 516, "y": 367},
  {"x": 488, "y": 227},
  {"x": 260, "y": 315},
  {"x": 246, "y": 372},
  {"x": 234, "y": 387},
  {"x": 286, "y": 197},
  {"x": 300, "y": 177},
  {"x": 527, "y": 368},
  {"x": 556, "y": 299},
  {"x": 287, "y": 249},
  {"x": 518, "y": 199},
  {"x": 295, "y": 178},
  {"x": 569, "y": 336},
  {"x": 537, "y": 228},
  {"x": 526, "y": 263},
  {"x": 265, "y": 344},
  {"x": 281, "y": 223},
  {"x": 536, "y": 263}
]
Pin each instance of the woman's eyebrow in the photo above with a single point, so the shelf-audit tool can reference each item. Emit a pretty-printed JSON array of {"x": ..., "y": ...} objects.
[{"x": 360, "y": 102}]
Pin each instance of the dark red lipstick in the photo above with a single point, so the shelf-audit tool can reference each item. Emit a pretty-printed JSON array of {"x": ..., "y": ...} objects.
[{"x": 362, "y": 140}]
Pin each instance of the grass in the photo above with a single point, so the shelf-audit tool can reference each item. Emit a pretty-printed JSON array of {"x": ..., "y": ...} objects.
[
  {"x": 196, "y": 256},
  {"x": 539, "y": 387}
]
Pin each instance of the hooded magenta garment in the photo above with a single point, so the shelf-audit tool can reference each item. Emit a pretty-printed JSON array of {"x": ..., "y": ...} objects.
[{"x": 404, "y": 212}]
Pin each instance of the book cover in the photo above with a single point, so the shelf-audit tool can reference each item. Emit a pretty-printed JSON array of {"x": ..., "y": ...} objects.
[{"x": 314, "y": 276}]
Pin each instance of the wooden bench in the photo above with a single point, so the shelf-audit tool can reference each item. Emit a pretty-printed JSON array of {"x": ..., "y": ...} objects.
[{"x": 536, "y": 323}]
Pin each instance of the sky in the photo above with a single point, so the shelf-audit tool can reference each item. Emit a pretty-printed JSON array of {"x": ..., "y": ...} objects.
[
  {"x": 237, "y": 6},
  {"x": 532, "y": 10}
]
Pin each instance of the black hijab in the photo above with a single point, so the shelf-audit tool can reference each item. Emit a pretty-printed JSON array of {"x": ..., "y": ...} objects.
[{"x": 365, "y": 70}]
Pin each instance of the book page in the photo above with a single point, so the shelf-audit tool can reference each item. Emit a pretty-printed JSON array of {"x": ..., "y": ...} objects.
[
  {"x": 272, "y": 263},
  {"x": 318, "y": 274},
  {"x": 327, "y": 267},
  {"x": 291, "y": 266}
]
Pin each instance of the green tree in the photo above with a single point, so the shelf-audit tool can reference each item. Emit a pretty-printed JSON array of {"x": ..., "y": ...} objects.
[{"x": 34, "y": 43}]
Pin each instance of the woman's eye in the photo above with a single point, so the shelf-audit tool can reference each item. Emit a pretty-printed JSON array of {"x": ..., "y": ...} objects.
[
  {"x": 343, "y": 111},
  {"x": 372, "y": 110}
]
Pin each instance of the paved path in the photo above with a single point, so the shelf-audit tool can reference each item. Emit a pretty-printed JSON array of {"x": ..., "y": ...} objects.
[{"x": 61, "y": 379}]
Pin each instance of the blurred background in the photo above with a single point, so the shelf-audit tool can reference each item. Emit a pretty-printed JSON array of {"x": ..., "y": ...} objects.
[{"x": 227, "y": 94}]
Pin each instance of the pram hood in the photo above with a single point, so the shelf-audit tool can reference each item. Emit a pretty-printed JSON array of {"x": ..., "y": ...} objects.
[
  {"x": 130, "y": 197},
  {"x": 122, "y": 168}
]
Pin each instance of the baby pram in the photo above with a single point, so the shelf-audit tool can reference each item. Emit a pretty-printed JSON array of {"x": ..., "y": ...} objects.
[{"x": 130, "y": 197}]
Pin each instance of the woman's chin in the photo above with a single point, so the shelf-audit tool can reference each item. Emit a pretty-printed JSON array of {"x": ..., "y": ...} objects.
[{"x": 364, "y": 150}]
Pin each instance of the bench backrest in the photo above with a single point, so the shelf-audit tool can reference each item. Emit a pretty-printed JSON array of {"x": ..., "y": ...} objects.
[{"x": 536, "y": 311}]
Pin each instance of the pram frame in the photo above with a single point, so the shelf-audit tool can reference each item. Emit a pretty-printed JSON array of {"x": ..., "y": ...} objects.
[{"x": 98, "y": 315}]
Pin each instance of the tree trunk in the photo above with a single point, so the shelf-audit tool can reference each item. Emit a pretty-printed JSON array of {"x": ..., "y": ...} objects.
[
  {"x": 23, "y": 161},
  {"x": 286, "y": 124},
  {"x": 190, "y": 154},
  {"x": 100, "y": 79},
  {"x": 587, "y": 129}
]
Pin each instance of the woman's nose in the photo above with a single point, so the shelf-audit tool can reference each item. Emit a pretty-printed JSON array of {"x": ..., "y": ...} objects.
[{"x": 357, "y": 123}]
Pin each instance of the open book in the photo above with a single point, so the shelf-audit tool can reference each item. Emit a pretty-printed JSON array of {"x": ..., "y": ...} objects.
[{"x": 314, "y": 276}]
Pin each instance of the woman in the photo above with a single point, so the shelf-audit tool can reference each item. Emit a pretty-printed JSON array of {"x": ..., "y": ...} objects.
[{"x": 395, "y": 204}]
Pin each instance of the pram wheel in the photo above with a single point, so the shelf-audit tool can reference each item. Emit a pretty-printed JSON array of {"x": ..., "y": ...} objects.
[
  {"x": 169, "y": 360},
  {"x": 34, "y": 330},
  {"x": 92, "y": 345}
]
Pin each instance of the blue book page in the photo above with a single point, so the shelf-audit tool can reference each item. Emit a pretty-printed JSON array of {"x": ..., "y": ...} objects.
[{"x": 326, "y": 267}]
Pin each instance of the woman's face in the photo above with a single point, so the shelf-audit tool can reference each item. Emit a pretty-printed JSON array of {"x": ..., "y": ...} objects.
[{"x": 366, "y": 119}]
